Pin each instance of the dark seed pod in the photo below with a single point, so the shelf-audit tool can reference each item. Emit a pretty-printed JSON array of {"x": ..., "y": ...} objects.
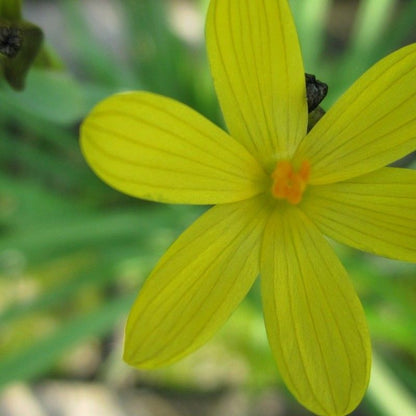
[
  {"x": 11, "y": 40},
  {"x": 315, "y": 91},
  {"x": 20, "y": 43}
]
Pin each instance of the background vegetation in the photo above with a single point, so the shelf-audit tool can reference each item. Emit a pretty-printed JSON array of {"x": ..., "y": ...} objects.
[{"x": 73, "y": 252}]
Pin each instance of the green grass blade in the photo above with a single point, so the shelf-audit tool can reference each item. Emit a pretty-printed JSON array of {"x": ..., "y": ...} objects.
[
  {"x": 387, "y": 393},
  {"x": 372, "y": 18},
  {"x": 310, "y": 17},
  {"x": 40, "y": 355}
]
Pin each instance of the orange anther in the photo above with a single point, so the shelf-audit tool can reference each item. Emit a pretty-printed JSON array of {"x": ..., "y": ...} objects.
[{"x": 290, "y": 184}]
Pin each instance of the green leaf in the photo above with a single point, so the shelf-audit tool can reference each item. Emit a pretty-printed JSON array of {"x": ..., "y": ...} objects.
[
  {"x": 53, "y": 96},
  {"x": 387, "y": 392},
  {"x": 11, "y": 9},
  {"x": 310, "y": 17},
  {"x": 40, "y": 355},
  {"x": 94, "y": 56},
  {"x": 21, "y": 42}
]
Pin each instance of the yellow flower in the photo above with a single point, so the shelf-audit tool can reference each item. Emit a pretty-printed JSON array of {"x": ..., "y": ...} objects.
[{"x": 277, "y": 191}]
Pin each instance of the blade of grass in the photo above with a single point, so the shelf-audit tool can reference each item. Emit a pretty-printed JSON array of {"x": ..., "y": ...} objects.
[
  {"x": 387, "y": 393},
  {"x": 40, "y": 355},
  {"x": 401, "y": 30},
  {"x": 53, "y": 96},
  {"x": 370, "y": 23},
  {"x": 160, "y": 57},
  {"x": 67, "y": 234},
  {"x": 93, "y": 56},
  {"x": 34, "y": 161},
  {"x": 98, "y": 274},
  {"x": 310, "y": 17}
]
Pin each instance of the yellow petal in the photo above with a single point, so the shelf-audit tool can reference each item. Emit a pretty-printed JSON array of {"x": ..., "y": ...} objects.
[
  {"x": 375, "y": 212},
  {"x": 196, "y": 285},
  {"x": 373, "y": 124},
  {"x": 314, "y": 320},
  {"x": 258, "y": 73},
  {"x": 155, "y": 148}
]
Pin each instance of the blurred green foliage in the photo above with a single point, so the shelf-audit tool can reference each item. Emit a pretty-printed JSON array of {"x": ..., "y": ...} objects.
[{"x": 73, "y": 252}]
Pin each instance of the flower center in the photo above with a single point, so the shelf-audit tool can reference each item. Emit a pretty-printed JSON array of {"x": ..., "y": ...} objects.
[{"x": 289, "y": 183}]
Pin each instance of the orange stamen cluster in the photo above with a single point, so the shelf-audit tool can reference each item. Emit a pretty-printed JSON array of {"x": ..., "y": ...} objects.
[{"x": 290, "y": 184}]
